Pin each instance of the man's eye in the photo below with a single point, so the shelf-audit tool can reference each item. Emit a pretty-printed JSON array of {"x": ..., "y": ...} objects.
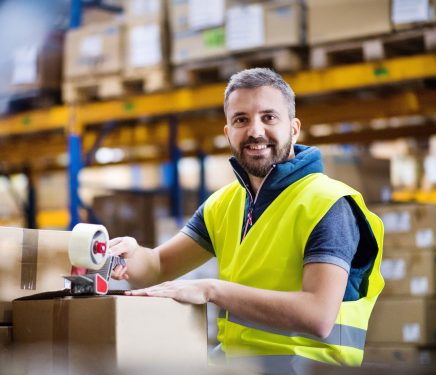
[
  {"x": 269, "y": 117},
  {"x": 239, "y": 120}
]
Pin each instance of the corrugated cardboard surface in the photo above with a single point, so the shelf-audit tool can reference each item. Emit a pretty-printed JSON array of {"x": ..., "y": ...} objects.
[
  {"x": 284, "y": 23},
  {"x": 110, "y": 334},
  {"x": 410, "y": 355},
  {"x": 94, "y": 49},
  {"x": 408, "y": 225},
  {"x": 27, "y": 270},
  {"x": 334, "y": 20},
  {"x": 403, "y": 320},
  {"x": 409, "y": 272},
  {"x": 5, "y": 345}
]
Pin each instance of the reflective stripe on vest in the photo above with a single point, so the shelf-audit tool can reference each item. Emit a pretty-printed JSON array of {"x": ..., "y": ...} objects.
[
  {"x": 275, "y": 364},
  {"x": 340, "y": 334}
]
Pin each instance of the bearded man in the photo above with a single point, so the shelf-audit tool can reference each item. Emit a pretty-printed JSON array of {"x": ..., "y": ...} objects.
[{"x": 298, "y": 253}]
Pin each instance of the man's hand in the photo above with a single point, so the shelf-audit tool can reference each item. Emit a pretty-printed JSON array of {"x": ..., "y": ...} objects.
[
  {"x": 188, "y": 291},
  {"x": 126, "y": 248}
]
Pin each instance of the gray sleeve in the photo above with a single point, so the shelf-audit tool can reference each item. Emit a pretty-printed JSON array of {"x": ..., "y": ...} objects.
[
  {"x": 335, "y": 238},
  {"x": 196, "y": 229}
]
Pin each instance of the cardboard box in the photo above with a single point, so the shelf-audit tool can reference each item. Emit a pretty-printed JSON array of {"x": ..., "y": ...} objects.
[
  {"x": 403, "y": 320},
  {"x": 364, "y": 173},
  {"x": 32, "y": 262},
  {"x": 284, "y": 23},
  {"x": 196, "y": 45},
  {"x": 337, "y": 20},
  {"x": 93, "y": 50},
  {"x": 32, "y": 66},
  {"x": 408, "y": 14},
  {"x": 151, "y": 10},
  {"x": 110, "y": 334},
  {"x": 145, "y": 45},
  {"x": 397, "y": 355},
  {"x": 409, "y": 272},
  {"x": 5, "y": 346},
  {"x": 408, "y": 225}
]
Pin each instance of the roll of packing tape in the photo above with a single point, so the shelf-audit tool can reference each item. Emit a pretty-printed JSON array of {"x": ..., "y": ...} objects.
[{"x": 88, "y": 246}]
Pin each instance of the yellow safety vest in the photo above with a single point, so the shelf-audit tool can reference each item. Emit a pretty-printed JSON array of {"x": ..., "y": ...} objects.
[{"x": 271, "y": 257}]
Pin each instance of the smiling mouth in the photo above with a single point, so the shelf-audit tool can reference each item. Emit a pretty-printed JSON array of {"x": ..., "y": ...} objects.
[{"x": 262, "y": 146}]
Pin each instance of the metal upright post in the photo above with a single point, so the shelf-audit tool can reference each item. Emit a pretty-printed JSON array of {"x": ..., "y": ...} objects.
[
  {"x": 175, "y": 154},
  {"x": 202, "y": 189},
  {"x": 74, "y": 140}
]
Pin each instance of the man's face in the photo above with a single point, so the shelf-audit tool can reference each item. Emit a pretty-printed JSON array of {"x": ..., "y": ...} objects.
[{"x": 259, "y": 130}]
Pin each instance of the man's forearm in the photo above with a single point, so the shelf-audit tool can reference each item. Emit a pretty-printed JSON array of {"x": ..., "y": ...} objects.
[{"x": 291, "y": 311}]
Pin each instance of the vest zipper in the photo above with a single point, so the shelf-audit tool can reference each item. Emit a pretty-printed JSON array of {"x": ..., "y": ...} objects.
[{"x": 249, "y": 221}]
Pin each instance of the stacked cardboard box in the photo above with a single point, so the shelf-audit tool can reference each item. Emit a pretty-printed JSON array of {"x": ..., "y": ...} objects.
[
  {"x": 408, "y": 14},
  {"x": 32, "y": 67},
  {"x": 109, "y": 334},
  {"x": 146, "y": 43},
  {"x": 338, "y": 20},
  {"x": 202, "y": 30},
  {"x": 109, "y": 58},
  {"x": 33, "y": 262},
  {"x": 402, "y": 327},
  {"x": 366, "y": 174}
]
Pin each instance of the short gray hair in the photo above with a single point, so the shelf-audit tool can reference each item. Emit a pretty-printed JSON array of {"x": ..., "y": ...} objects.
[{"x": 258, "y": 77}]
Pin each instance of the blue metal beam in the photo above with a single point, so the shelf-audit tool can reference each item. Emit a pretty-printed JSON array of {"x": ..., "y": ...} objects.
[
  {"x": 175, "y": 155},
  {"x": 202, "y": 189},
  {"x": 75, "y": 165}
]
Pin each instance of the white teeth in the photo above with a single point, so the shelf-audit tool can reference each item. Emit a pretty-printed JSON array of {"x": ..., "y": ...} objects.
[{"x": 257, "y": 147}]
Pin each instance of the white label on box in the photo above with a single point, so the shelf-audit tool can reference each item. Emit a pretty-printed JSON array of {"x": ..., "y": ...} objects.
[
  {"x": 424, "y": 237},
  {"x": 25, "y": 65},
  {"x": 395, "y": 222},
  {"x": 393, "y": 269},
  {"x": 145, "y": 7},
  {"x": 204, "y": 14},
  {"x": 144, "y": 46},
  {"x": 245, "y": 27},
  {"x": 411, "y": 332},
  {"x": 419, "y": 285},
  {"x": 91, "y": 46},
  {"x": 406, "y": 11}
]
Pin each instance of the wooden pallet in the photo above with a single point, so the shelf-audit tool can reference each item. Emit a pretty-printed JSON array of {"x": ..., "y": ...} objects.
[
  {"x": 219, "y": 69},
  {"x": 133, "y": 82},
  {"x": 404, "y": 43}
]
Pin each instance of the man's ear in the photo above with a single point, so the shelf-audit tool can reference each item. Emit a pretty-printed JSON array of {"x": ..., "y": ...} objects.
[
  {"x": 226, "y": 130},
  {"x": 295, "y": 128}
]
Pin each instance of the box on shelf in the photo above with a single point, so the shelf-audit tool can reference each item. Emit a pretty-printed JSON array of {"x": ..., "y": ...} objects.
[
  {"x": 405, "y": 172},
  {"x": 151, "y": 10},
  {"x": 368, "y": 175},
  {"x": 146, "y": 53},
  {"x": 408, "y": 225},
  {"x": 403, "y": 320},
  {"x": 33, "y": 262},
  {"x": 409, "y": 272},
  {"x": 398, "y": 355},
  {"x": 93, "y": 50},
  {"x": 338, "y": 20},
  {"x": 264, "y": 24},
  {"x": 32, "y": 66},
  {"x": 415, "y": 13},
  {"x": 110, "y": 334},
  {"x": 233, "y": 26}
]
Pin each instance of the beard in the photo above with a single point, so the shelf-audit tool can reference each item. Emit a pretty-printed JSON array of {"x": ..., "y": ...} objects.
[{"x": 260, "y": 165}]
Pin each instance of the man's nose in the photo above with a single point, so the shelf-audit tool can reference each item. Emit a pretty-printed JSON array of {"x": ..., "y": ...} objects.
[{"x": 256, "y": 129}]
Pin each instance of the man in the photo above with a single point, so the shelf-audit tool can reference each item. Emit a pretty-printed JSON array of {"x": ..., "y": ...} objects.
[{"x": 298, "y": 253}]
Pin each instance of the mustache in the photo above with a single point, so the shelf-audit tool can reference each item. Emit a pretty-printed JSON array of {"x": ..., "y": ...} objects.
[{"x": 257, "y": 141}]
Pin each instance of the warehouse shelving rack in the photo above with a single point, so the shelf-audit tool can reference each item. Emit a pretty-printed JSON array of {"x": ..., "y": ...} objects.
[{"x": 70, "y": 121}]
